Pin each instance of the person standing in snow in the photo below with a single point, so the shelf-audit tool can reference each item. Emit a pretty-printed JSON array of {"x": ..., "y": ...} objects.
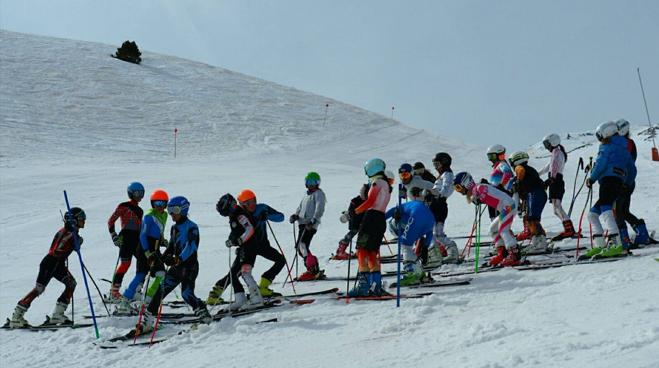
[
  {"x": 555, "y": 182},
  {"x": 54, "y": 265},
  {"x": 501, "y": 176},
  {"x": 623, "y": 215},
  {"x": 530, "y": 189},
  {"x": 413, "y": 222},
  {"x": 248, "y": 221},
  {"x": 181, "y": 257},
  {"x": 128, "y": 238},
  {"x": 502, "y": 236},
  {"x": 445, "y": 249},
  {"x": 413, "y": 184},
  {"x": 371, "y": 231},
  {"x": 308, "y": 215},
  {"x": 612, "y": 169},
  {"x": 148, "y": 253}
]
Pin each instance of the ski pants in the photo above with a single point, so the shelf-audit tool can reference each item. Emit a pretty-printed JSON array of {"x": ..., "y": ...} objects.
[
  {"x": 184, "y": 274},
  {"x": 622, "y": 205},
  {"x": 49, "y": 268},
  {"x": 609, "y": 191},
  {"x": 128, "y": 249},
  {"x": 500, "y": 228},
  {"x": 535, "y": 204},
  {"x": 141, "y": 269}
]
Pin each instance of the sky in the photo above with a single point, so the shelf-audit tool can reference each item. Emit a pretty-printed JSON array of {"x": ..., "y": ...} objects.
[{"x": 485, "y": 72}]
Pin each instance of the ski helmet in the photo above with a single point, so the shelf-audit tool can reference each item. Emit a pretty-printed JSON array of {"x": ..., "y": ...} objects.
[
  {"x": 606, "y": 130},
  {"x": 405, "y": 172},
  {"x": 135, "y": 190},
  {"x": 419, "y": 166},
  {"x": 495, "y": 151},
  {"x": 178, "y": 205},
  {"x": 159, "y": 198},
  {"x": 312, "y": 179},
  {"x": 391, "y": 178},
  {"x": 463, "y": 179},
  {"x": 443, "y": 158},
  {"x": 72, "y": 217},
  {"x": 246, "y": 195},
  {"x": 623, "y": 127},
  {"x": 552, "y": 140},
  {"x": 226, "y": 204},
  {"x": 374, "y": 166},
  {"x": 519, "y": 158}
]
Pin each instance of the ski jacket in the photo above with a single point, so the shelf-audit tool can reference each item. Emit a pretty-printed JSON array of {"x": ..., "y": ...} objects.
[
  {"x": 614, "y": 159},
  {"x": 153, "y": 228},
  {"x": 416, "y": 185},
  {"x": 444, "y": 184},
  {"x": 378, "y": 196},
  {"x": 556, "y": 163},
  {"x": 502, "y": 175},
  {"x": 242, "y": 227},
  {"x": 527, "y": 180},
  {"x": 491, "y": 196},
  {"x": 631, "y": 147},
  {"x": 184, "y": 239},
  {"x": 130, "y": 214},
  {"x": 416, "y": 220},
  {"x": 260, "y": 225},
  {"x": 62, "y": 244},
  {"x": 311, "y": 208},
  {"x": 354, "y": 219}
]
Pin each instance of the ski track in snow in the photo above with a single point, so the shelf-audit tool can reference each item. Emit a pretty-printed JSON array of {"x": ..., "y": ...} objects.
[{"x": 73, "y": 118}]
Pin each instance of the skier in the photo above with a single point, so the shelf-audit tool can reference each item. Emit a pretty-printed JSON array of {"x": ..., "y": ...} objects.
[
  {"x": 507, "y": 252},
  {"x": 181, "y": 257},
  {"x": 420, "y": 169},
  {"x": 501, "y": 176},
  {"x": 446, "y": 250},
  {"x": 413, "y": 184},
  {"x": 372, "y": 230},
  {"x": 248, "y": 222},
  {"x": 128, "y": 238},
  {"x": 354, "y": 220},
  {"x": 555, "y": 182},
  {"x": 413, "y": 222},
  {"x": 622, "y": 213},
  {"x": 613, "y": 168},
  {"x": 530, "y": 189},
  {"x": 148, "y": 253},
  {"x": 308, "y": 215},
  {"x": 54, "y": 265}
]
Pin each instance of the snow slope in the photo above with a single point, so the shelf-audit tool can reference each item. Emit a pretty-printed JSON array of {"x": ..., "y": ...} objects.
[{"x": 73, "y": 118}]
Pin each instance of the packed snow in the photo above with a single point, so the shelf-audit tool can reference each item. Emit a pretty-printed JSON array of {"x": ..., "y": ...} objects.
[{"x": 73, "y": 118}]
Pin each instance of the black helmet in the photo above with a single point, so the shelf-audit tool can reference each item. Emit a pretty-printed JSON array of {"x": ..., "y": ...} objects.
[
  {"x": 443, "y": 158},
  {"x": 72, "y": 217},
  {"x": 418, "y": 165},
  {"x": 226, "y": 204}
]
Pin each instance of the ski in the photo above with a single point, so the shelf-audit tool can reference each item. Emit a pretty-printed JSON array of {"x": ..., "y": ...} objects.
[
  {"x": 131, "y": 340},
  {"x": 437, "y": 283},
  {"x": 46, "y": 326},
  {"x": 383, "y": 297},
  {"x": 224, "y": 313}
]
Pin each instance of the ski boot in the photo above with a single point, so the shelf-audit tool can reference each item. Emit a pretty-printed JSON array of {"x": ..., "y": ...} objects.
[
  {"x": 375, "y": 281},
  {"x": 499, "y": 257},
  {"x": 435, "y": 258},
  {"x": 215, "y": 296},
  {"x": 255, "y": 299},
  {"x": 58, "y": 317},
  {"x": 17, "y": 318},
  {"x": 266, "y": 292},
  {"x": 642, "y": 236},
  {"x": 114, "y": 296},
  {"x": 238, "y": 302},
  {"x": 146, "y": 325},
  {"x": 568, "y": 230},
  {"x": 452, "y": 256},
  {"x": 538, "y": 245},
  {"x": 512, "y": 259},
  {"x": 526, "y": 233},
  {"x": 313, "y": 272},
  {"x": 624, "y": 237},
  {"x": 341, "y": 253},
  {"x": 202, "y": 313},
  {"x": 363, "y": 286}
]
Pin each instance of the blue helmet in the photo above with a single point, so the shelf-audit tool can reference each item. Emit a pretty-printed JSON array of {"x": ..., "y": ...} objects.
[
  {"x": 405, "y": 168},
  {"x": 464, "y": 179},
  {"x": 135, "y": 190},
  {"x": 178, "y": 206},
  {"x": 374, "y": 166}
]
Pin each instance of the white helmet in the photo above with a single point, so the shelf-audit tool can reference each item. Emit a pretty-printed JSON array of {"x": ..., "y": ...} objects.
[
  {"x": 391, "y": 178},
  {"x": 606, "y": 130},
  {"x": 497, "y": 148},
  {"x": 519, "y": 158},
  {"x": 623, "y": 127},
  {"x": 552, "y": 140}
]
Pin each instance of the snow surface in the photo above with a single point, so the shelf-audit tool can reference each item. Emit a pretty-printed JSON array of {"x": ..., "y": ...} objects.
[{"x": 73, "y": 118}]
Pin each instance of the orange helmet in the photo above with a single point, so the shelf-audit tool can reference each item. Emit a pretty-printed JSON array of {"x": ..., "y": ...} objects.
[
  {"x": 245, "y": 195},
  {"x": 159, "y": 195}
]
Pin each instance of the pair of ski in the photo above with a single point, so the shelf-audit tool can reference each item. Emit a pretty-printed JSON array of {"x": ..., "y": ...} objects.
[
  {"x": 47, "y": 326},
  {"x": 291, "y": 297}
]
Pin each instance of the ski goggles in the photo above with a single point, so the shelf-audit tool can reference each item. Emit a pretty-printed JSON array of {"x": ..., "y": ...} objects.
[
  {"x": 405, "y": 175},
  {"x": 248, "y": 203},
  {"x": 311, "y": 182},
  {"x": 493, "y": 156},
  {"x": 174, "y": 210},
  {"x": 459, "y": 188},
  {"x": 161, "y": 204},
  {"x": 137, "y": 194},
  {"x": 546, "y": 144}
]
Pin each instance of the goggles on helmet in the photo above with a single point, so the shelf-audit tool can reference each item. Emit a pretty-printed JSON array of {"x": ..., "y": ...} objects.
[
  {"x": 311, "y": 182},
  {"x": 174, "y": 210},
  {"x": 248, "y": 203},
  {"x": 460, "y": 188},
  {"x": 493, "y": 156},
  {"x": 137, "y": 194},
  {"x": 161, "y": 204}
]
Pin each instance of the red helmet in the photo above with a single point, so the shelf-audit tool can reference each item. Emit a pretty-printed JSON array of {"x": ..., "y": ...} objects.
[
  {"x": 245, "y": 195},
  {"x": 159, "y": 195}
]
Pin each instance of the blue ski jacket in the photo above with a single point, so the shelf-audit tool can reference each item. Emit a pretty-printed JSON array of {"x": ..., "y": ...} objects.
[
  {"x": 416, "y": 220},
  {"x": 613, "y": 159},
  {"x": 184, "y": 238}
]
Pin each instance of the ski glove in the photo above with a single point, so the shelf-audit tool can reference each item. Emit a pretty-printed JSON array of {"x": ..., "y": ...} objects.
[
  {"x": 171, "y": 259},
  {"x": 117, "y": 240},
  {"x": 263, "y": 216},
  {"x": 233, "y": 243},
  {"x": 294, "y": 217},
  {"x": 345, "y": 217},
  {"x": 164, "y": 243},
  {"x": 589, "y": 183}
]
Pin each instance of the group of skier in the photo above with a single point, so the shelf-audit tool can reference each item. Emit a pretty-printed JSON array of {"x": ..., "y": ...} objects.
[{"x": 513, "y": 187}]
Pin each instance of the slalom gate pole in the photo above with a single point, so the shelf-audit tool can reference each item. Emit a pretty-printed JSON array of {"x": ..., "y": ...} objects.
[
  {"x": 282, "y": 253},
  {"x": 400, "y": 189},
  {"x": 349, "y": 259},
  {"x": 76, "y": 246},
  {"x": 654, "y": 151},
  {"x": 576, "y": 255},
  {"x": 478, "y": 240},
  {"x": 98, "y": 290},
  {"x": 574, "y": 186}
]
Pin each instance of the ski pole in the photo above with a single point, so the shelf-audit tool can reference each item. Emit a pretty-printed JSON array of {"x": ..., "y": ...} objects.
[
  {"x": 282, "y": 253},
  {"x": 162, "y": 292},
  {"x": 574, "y": 185},
  {"x": 76, "y": 246},
  {"x": 387, "y": 242},
  {"x": 400, "y": 186},
  {"x": 478, "y": 240},
  {"x": 467, "y": 248},
  {"x": 142, "y": 306},
  {"x": 98, "y": 290},
  {"x": 576, "y": 255},
  {"x": 73, "y": 304}
]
